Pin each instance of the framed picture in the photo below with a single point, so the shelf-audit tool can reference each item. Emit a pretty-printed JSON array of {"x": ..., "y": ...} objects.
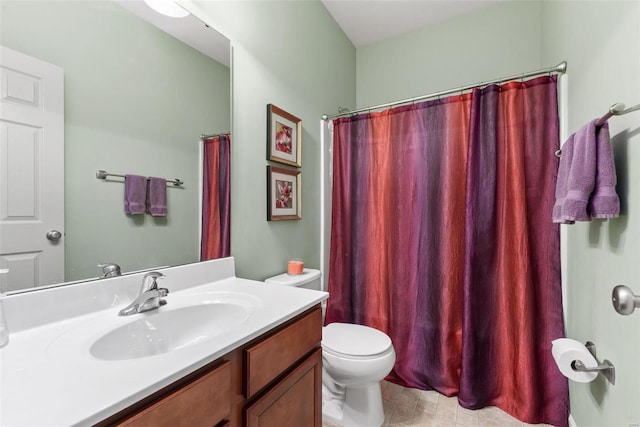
[
  {"x": 283, "y": 194},
  {"x": 284, "y": 137}
]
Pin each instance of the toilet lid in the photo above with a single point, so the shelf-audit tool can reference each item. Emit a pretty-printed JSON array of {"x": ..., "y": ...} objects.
[{"x": 355, "y": 340}]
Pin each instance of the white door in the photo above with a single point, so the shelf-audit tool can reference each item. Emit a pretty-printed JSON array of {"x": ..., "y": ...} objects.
[{"x": 31, "y": 170}]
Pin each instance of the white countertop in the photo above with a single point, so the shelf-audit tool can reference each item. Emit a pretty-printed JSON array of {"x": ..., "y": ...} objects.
[{"x": 49, "y": 378}]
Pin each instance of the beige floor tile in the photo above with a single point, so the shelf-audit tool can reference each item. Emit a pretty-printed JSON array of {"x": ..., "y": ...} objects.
[
  {"x": 392, "y": 393},
  {"x": 389, "y": 408},
  {"x": 426, "y": 407},
  {"x": 411, "y": 393},
  {"x": 430, "y": 396},
  {"x": 402, "y": 416},
  {"x": 495, "y": 415},
  {"x": 407, "y": 407},
  {"x": 422, "y": 419},
  {"x": 488, "y": 423},
  {"x": 447, "y": 407},
  {"x": 432, "y": 421},
  {"x": 466, "y": 417}
]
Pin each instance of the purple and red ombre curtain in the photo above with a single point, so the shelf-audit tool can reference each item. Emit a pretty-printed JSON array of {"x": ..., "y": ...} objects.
[
  {"x": 442, "y": 238},
  {"x": 216, "y": 198}
]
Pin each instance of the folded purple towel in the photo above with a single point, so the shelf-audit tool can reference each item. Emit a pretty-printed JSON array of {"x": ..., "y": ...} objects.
[
  {"x": 604, "y": 202},
  {"x": 157, "y": 196},
  {"x": 135, "y": 194},
  {"x": 586, "y": 181},
  {"x": 561, "y": 181}
]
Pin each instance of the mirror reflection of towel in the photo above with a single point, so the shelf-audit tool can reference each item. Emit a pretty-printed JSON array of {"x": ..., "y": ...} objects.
[
  {"x": 157, "y": 196},
  {"x": 135, "y": 194}
]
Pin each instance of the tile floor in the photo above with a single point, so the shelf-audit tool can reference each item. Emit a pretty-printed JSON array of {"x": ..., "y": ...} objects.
[{"x": 408, "y": 407}]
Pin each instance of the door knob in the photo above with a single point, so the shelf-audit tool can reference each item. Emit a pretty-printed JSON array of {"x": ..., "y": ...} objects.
[
  {"x": 54, "y": 235},
  {"x": 624, "y": 301}
]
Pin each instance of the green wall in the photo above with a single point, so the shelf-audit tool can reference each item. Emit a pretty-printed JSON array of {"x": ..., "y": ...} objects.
[
  {"x": 291, "y": 54},
  {"x": 136, "y": 101},
  {"x": 601, "y": 42},
  {"x": 498, "y": 41}
]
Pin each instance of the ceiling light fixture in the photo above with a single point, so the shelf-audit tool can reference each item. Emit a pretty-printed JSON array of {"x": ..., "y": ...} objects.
[{"x": 167, "y": 8}]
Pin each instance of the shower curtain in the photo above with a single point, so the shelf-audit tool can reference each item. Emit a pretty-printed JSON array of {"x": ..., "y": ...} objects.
[
  {"x": 442, "y": 238},
  {"x": 215, "y": 241}
]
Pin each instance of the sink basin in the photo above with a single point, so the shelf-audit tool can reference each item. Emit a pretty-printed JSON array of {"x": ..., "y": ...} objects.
[
  {"x": 187, "y": 320},
  {"x": 164, "y": 331}
]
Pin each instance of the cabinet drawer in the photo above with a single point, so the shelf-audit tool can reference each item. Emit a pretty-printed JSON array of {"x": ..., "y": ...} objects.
[
  {"x": 204, "y": 402},
  {"x": 296, "y": 400},
  {"x": 272, "y": 356}
]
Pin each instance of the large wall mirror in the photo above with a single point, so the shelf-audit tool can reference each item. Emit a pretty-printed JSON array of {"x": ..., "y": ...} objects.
[{"x": 136, "y": 101}]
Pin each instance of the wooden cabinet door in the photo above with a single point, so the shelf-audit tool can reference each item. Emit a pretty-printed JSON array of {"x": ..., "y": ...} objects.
[
  {"x": 276, "y": 354},
  {"x": 203, "y": 403},
  {"x": 295, "y": 401}
]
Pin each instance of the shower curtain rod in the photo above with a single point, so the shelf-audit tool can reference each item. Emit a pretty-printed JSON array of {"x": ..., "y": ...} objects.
[
  {"x": 203, "y": 136},
  {"x": 561, "y": 68}
]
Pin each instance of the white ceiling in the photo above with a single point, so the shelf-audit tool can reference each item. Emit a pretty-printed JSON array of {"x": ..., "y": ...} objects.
[
  {"x": 363, "y": 21},
  {"x": 190, "y": 30},
  {"x": 370, "y": 21}
]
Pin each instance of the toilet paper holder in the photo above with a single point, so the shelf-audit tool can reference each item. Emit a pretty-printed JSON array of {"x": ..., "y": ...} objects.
[{"x": 605, "y": 368}]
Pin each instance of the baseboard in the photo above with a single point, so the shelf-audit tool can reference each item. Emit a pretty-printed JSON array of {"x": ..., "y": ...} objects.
[{"x": 572, "y": 422}]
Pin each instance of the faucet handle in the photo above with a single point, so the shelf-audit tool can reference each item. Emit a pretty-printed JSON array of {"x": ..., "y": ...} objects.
[
  {"x": 110, "y": 269},
  {"x": 153, "y": 275}
]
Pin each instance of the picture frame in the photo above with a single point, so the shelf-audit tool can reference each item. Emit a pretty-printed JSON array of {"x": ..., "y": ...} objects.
[
  {"x": 284, "y": 137},
  {"x": 284, "y": 194}
]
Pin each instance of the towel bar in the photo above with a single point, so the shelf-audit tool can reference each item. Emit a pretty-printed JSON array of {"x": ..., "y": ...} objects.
[
  {"x": 100, "y": 174},
  {"x": 615, "y": 110}
]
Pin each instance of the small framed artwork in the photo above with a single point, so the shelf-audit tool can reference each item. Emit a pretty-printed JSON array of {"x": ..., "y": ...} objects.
[
  {"x": 284, "y": 137},
  {"x": 283, "y": 194}
]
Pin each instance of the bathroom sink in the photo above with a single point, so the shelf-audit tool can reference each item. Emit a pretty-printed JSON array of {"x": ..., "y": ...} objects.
[
  {"x": 185, "y": 321},
  {"x": 164, "y": 331}
]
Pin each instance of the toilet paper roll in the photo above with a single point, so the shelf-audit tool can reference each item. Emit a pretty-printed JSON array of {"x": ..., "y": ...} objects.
[{"x": 565, "y": 351}]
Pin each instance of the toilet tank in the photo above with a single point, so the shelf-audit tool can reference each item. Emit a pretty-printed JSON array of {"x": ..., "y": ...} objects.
[{"x": 309, "y": 279}]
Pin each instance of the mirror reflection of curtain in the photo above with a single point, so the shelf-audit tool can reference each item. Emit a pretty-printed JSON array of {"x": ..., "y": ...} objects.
[{"x": 216, "y": 198}]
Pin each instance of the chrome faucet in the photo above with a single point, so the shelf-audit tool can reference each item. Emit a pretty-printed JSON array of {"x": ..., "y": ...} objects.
[
  {"x": 149, "y": 297},
  {"x": 109, "y": 270}
]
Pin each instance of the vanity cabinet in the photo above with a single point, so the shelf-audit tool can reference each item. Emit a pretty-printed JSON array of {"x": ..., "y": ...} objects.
[
  {"x": 273, "y": 380},
  {"x": 295, "y": 401},
  {"x": 203, "y": 402}
]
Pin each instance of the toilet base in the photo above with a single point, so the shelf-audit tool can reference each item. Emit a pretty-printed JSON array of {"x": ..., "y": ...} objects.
[{"x": 362, "y": 407}]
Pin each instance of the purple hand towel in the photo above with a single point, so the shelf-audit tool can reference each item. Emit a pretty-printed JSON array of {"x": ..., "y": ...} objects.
[
  {"x": 157, "y": 196},
  {"x": 561, "y": 181},
  {"x": 135, "y": 194},
  {"x": 585, "y": 186},
  {"x": 604, "y": 202}
]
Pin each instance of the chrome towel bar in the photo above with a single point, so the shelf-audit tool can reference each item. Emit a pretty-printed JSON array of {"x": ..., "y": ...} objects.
[{"x": 100, "y": 174}]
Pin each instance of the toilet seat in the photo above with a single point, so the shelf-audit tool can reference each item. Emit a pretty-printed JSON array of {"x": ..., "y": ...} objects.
[{"x": 355, "y": 341}]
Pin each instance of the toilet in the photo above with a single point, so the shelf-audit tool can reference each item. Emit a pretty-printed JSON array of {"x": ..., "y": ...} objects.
[{"x": 355, "y": 359}]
